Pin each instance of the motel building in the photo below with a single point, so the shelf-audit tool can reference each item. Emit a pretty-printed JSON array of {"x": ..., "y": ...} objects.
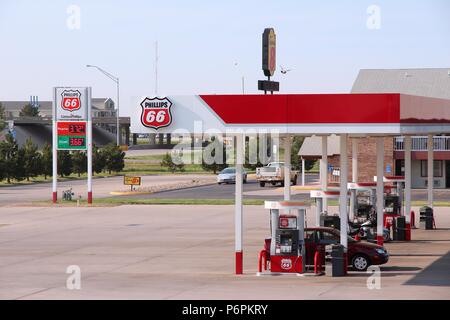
[{"x": 430, "y": 83}]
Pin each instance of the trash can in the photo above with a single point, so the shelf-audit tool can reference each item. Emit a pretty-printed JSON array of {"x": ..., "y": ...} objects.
[
  {"x": 330, "y": 221},
  {"x": 334, "y": 260},
  {"x": 426, "y": 218},
  {"x": 400, "y": 228}
]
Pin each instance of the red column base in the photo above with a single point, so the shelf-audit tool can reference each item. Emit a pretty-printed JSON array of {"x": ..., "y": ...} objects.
[
  {"x": 90, "y": 197},
  {"x": 380, "y": 240},
  {"x": 239, "y": 262},
  {"x": 408, "y": 232},
  {"x": 55, "y": 196}
]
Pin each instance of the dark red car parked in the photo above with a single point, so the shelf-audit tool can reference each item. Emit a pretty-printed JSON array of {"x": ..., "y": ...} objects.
[{"x": 360, "y": 254}]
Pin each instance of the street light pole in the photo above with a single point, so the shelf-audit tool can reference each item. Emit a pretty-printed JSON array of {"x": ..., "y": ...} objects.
[{"x": 116, "y": 80}]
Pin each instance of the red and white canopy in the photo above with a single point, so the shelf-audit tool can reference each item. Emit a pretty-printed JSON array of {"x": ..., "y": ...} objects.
[{"x": 303, "y": 114}]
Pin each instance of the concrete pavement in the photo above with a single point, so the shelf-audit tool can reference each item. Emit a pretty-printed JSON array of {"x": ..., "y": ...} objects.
[{"x": 187, "y": 252}]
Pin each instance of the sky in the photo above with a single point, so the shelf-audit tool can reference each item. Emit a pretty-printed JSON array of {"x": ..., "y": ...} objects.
[{"x": 206, "y": 47}]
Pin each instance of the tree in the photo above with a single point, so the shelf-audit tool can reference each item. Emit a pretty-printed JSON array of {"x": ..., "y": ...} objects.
[
  {"x": 114, "y": 157},
  {"x": 79, "y": 162},
  {"x": 2, "y": 117},
  {"x": 29, "y": 110},
  {"x": 295, "y": 159},
  {"x": 47, "y": 160},
  {"x": 64, "y": 163},
  {"x": 98, "y": 159},
  {"x": 32, "y": 161},
  {"x": 209, "y": 153},
  {"x": 12, "y": 159},
  {"x": 172, "y": 162}
]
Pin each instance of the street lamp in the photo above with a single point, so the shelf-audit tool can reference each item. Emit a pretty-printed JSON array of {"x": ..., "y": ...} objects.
[{"x": 116, "y": 80}]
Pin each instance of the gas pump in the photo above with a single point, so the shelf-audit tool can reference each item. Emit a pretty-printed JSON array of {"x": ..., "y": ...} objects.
[
  {"x": 323, "y": 218},
  {"x": 287, "y": 253},
  {"x": 393, "y": 199},
  {"x": 363, "y": 199}
]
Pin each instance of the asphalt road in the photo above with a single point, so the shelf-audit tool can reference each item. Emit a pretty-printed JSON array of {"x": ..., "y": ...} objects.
[{"x": 252, "y": 190}]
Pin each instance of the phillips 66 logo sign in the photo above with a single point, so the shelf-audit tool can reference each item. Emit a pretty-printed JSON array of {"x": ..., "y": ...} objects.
[
  {"x": 71, "y": 103},
  {"x": 156, "y": 112},
  {"x": 70, "y": 100},
  {"x": 286, "y": 264}
]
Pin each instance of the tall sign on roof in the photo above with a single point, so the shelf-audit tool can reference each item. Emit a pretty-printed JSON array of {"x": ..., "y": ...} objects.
[
  {"x": 269, "y": 49},
  {"x": 269, "y": 61}
]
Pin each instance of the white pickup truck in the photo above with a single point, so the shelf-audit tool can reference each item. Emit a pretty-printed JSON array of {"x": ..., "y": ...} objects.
[{"x": 274, "y": 173}]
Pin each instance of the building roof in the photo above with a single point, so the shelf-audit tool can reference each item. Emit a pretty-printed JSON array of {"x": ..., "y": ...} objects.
[
  {"x": 427, "y": 82},
  {"x": 312, "y": 146}
]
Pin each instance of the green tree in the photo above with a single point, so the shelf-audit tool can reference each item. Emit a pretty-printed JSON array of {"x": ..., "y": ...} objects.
[
  {"x": 2, "y": 168},
  {"x": 64, "y": 163},
  {"x": 209, "y": 153},
  {"x": 296, "y": 162},
  {"x": 47, "y": 160},
  {"x": 12, "y": 159},
  {"x": 172, "y": 162},
  {"x": 79, "y": 162},
  {"x": 114, "y": 157},
  {"x": 98, "y": 160},
  {"x": 2, "y": 117},
  {"x": 32, "y": 161},
  {"x": 29, "y": 110}
]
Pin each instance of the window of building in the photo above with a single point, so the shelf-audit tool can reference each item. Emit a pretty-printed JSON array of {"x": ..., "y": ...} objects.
[{"x": 437, "y": 168}]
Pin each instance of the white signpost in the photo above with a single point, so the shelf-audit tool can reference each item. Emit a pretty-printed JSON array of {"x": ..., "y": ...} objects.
[{"x": 72, "y": 128}]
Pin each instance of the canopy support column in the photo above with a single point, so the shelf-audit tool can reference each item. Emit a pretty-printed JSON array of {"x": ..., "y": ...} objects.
[
  {"x": 324, "y": 170},
  {"x": 354, "y": 176},
  {"x": 407, "y": 147},
  {"x": 238, "y": 203},
  {"x": 343, "y": 190},
  {"x": 380, "y": 189},
  {"x": 287, "y": 168},
  {"x": 303, "y": 171},
  {"x": 430, "y": 170}
]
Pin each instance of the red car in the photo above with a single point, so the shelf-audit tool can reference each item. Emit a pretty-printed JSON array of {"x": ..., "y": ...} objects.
[{"x": 360, "y": 254}]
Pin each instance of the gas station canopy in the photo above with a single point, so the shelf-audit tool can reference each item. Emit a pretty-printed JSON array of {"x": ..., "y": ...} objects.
[{"x": 390, "y": 114}]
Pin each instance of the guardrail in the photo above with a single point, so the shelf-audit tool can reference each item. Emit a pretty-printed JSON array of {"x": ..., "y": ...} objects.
[{"x": 420, "y": 143}]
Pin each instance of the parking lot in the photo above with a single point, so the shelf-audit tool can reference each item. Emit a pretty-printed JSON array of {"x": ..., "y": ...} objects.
[{"x": 187, "y": 252}]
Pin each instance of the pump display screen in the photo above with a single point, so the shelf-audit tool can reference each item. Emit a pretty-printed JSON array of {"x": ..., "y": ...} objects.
[{"x": 288, "y": 222}]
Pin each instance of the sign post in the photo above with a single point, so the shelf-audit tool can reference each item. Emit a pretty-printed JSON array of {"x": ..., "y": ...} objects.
[
  {"x": 131, "y": 181},
  {"x": 269, "y": 45},
  {"x": 72, "y": 128}
]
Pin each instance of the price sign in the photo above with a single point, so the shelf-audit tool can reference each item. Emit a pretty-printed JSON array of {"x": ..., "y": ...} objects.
[
  {"x": 132, "y": 181},
  {"x": 71, "y": 135}
]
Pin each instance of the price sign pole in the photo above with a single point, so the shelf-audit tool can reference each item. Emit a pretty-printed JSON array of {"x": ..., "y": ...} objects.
[
  {"x": 55, "y": 152},
  {"x": 72, "y": 129},
  {"x": 89, "y": 146}
]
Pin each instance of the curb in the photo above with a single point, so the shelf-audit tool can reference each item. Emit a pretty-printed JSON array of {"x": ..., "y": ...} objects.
[{"x": 129, "y": 193}]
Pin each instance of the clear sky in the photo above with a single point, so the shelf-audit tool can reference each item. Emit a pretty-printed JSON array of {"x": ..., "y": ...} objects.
[{"x": 205, "y": 47}]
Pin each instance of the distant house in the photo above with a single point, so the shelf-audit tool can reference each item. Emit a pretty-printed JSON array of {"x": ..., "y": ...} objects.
[{"x": 433, "y": 83}]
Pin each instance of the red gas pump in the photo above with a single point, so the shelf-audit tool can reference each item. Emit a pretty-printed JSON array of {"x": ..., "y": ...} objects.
[{"x": 285, "y": 251}]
